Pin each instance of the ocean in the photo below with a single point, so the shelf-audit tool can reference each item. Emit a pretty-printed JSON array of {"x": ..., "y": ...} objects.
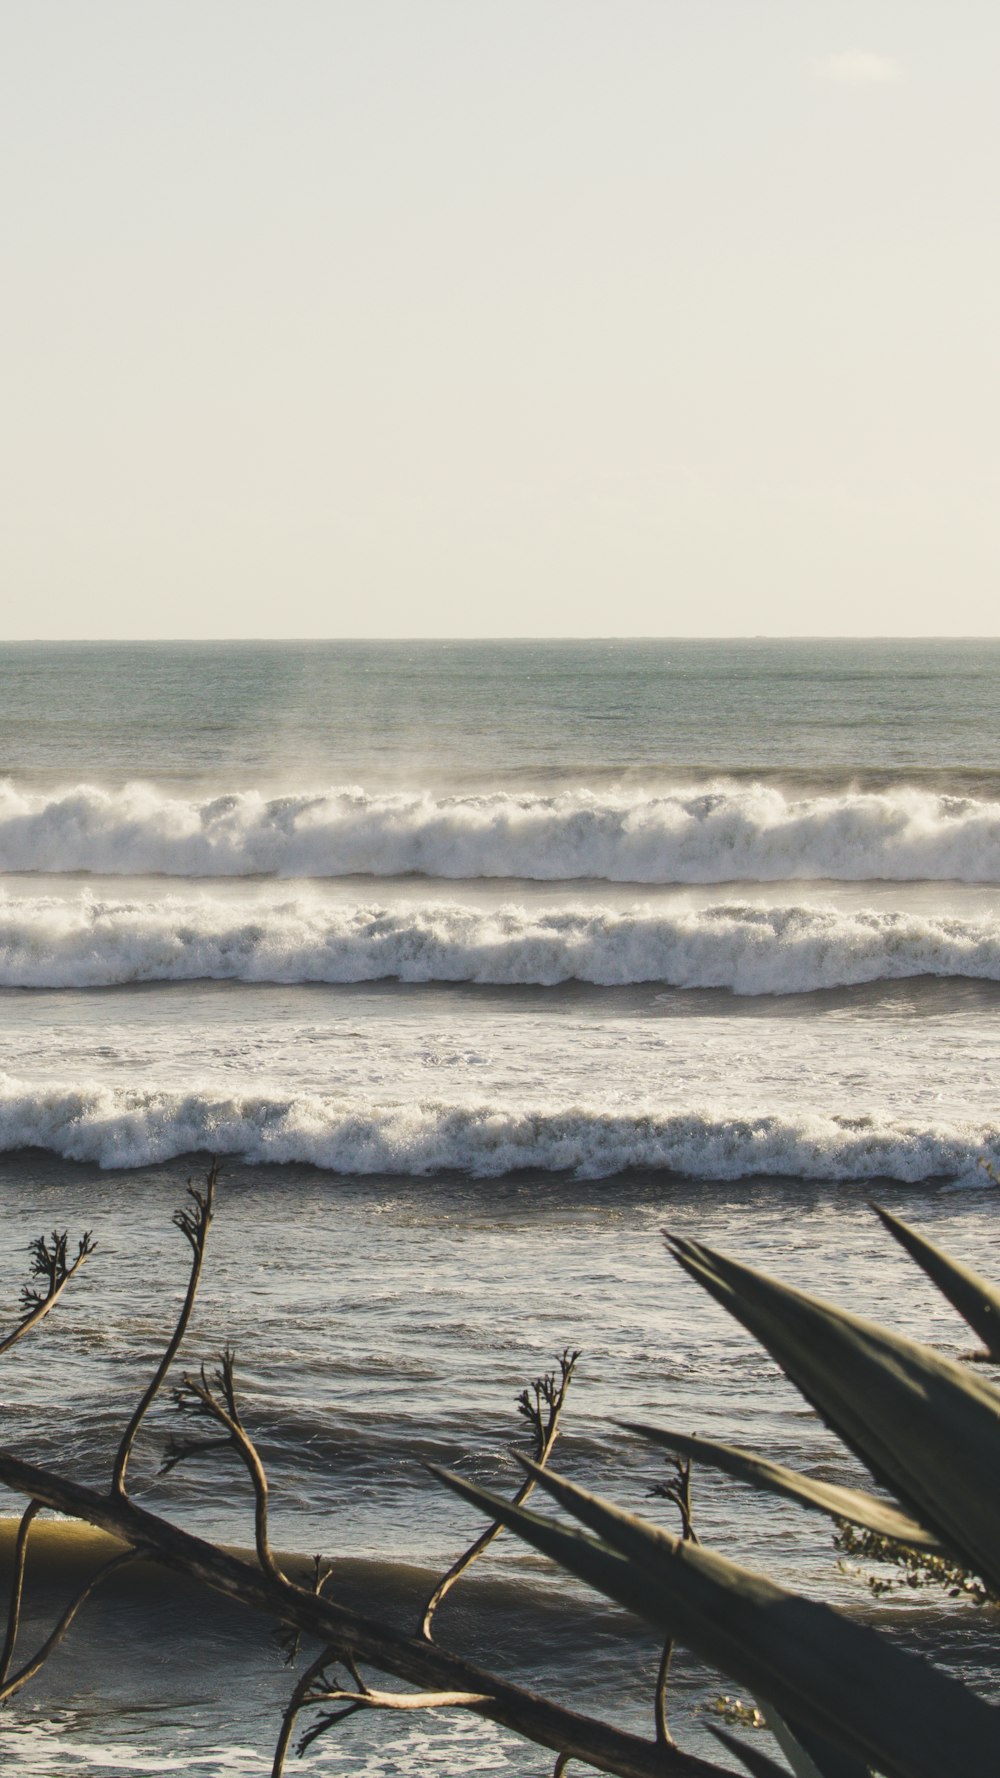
[{"x": 476, "y": 964}]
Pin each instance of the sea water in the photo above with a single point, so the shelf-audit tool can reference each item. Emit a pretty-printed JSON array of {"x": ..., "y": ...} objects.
[{"x": 475, "y": 964}]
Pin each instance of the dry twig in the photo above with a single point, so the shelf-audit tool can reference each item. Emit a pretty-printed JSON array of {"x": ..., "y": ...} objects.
[
  {"x": 194, "y": 1223},
  {"x": 677, "y": 1488},
  {"x": 540, "y": 1405},
  {"x": 49, "y": 1262}
]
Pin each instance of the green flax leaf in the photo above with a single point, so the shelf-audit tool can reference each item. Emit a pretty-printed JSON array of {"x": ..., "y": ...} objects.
[
  {"x": 927, "y": 1427},
  {"x": 816, "y": 1667},
  {"x": 852, "y": 1504},
  {"x": 977, "y": 1301},
  {"x": 757, "y": 1763}
]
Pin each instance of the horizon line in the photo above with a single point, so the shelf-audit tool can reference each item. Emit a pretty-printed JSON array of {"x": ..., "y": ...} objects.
[{"x": 369, "y": 641}]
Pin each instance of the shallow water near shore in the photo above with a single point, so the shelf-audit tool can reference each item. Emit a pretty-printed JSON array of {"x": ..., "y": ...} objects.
[{"x": 381, "y": 1324}]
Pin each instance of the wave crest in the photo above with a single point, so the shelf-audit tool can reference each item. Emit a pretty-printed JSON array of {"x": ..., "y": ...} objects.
[
  {"x": 753, "y": 832},
  {"x": 129, "y": 1127},
  {"x": 56, "y": 942}
]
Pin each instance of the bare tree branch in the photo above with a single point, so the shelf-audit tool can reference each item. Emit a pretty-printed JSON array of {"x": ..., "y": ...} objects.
[
  {"x": 49, "y": 1261},
  {"x": 678, "y": 1490},
  {"x": 404, "y": 1700},
  {"x": 296, "y": 1702},
  {"x": 328, "y": 1722},
  {"x": 52, "y": 1641},
  {"x": 440, "y": 1679},
  {"x": 290, "y": 1638},
  {"x": 372, "y": 1700},
  {"x": 410, "y": 1658},
  {"x": 215, "y": 1395},
  {"x": 194, "y": 1224},
  {"x": 30, "y": 1513},
  {"x": 541, "y": 1405},
  {"x": 663, "y": 1734},
  {"x": 308, "y": 1693}
]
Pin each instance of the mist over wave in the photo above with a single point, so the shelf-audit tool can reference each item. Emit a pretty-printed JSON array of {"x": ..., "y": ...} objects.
[
  {"x": 754, "y": 833},
  {"x": 55, "y": 942},
  {"x": 131, "y": 1127}
]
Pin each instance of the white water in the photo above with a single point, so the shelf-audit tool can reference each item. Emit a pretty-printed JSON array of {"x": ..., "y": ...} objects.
[
  {"x": 83, "y": 1746},
  {"x": 134, "y": 1127},
  {"x": 84, "y": 942},
  {"x": 383, "y": 1321},
  {"x": 755, "y": 833}
]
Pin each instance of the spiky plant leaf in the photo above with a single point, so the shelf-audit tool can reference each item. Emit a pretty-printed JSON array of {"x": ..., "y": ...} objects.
[
  {"x": 756, "y": 1762},
  {"x": 927, "y": 1427},
  {"x": 977, "y": 1301},
  {"x": 824, "y": 1761},
  {"x": 816, "y": 1667},
  {"x": 808, "y": 1754},
  {"x": 852, "y": 1504}
]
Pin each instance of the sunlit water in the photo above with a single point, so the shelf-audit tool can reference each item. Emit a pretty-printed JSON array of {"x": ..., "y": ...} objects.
[{"x": 570, "y": 943}]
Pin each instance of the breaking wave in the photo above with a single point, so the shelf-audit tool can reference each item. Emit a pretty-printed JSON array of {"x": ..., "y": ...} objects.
[
  {"x": 130, "y": 1127},
  {"x": 55, "y": 942},
  {"x": 754, "y": 832}
]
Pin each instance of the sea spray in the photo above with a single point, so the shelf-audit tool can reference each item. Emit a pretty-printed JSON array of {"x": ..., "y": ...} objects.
[
  {"x": 749, "y": 833},
  {"x": 85, "y": 941},
  {"x": 132, "y": 1127}
]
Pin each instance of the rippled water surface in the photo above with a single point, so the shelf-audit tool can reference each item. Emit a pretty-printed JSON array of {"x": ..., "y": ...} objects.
[{"x": 475, "y": 966}]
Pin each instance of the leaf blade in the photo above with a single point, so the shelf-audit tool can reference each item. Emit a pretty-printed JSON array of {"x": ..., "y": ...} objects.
[
  {"x": 977, "y": 1301},
  {"x": 927, "y": 1428},
  {"x": 830, "y": 1498},
  {"x": 804, "y": 1657},
  {"x": 757, "y": 1763}
]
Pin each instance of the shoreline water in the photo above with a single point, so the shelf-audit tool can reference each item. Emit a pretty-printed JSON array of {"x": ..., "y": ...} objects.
[{"x": 463, "y": 1295}]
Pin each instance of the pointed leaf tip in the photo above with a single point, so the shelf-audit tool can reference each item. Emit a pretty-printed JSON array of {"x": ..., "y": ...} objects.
[
  {"x": 753, "y": 1760},
  {"x": 927, "y": 1428},
  {"x": 837, "y": 1502},
  {"x": 971, "y": 1295}
]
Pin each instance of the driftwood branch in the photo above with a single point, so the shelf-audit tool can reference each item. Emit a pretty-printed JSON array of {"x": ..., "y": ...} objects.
[
  {"x": 52, "y": 1641},
  {"x": 300, "y": 1697},
  {"x": 215, "y": 1395},
  {"x": 51, "y": 1265},
  {"x": 28, "y": 1517},
  {"x": 372, "y": 1700},
  {"x": 315, "y": 1687},
  {"x": 410, "y": 1658},
  {"x": 440, "y": 1679}
]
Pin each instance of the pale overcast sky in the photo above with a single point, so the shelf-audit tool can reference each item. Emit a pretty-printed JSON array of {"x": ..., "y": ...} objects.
[{"x": 500, "y": 317}]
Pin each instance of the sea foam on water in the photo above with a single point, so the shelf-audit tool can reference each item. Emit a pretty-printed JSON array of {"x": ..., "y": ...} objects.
[
  {"x": 86, "y": 941},
  {"x": 133, "y": 1127},
  {"x": 756, "y": 832}
]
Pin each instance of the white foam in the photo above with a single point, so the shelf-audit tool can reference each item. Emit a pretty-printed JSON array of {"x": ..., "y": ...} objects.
[
  {"x": 753, "y": 832},
  {"x": 62, "y": 1744},
  {"x": 130, "y": 1127},
  {"x": 62, "y": 942},
  {"x": 65, "y": 1741}
]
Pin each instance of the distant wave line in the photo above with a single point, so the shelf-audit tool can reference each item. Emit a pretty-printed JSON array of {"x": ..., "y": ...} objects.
[
  {"x": 85, "y": 942},
  {"x": 754, "y": 832}
]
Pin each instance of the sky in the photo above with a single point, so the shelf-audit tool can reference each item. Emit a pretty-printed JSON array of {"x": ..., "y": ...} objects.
[{"x": 499, "y": 318}]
